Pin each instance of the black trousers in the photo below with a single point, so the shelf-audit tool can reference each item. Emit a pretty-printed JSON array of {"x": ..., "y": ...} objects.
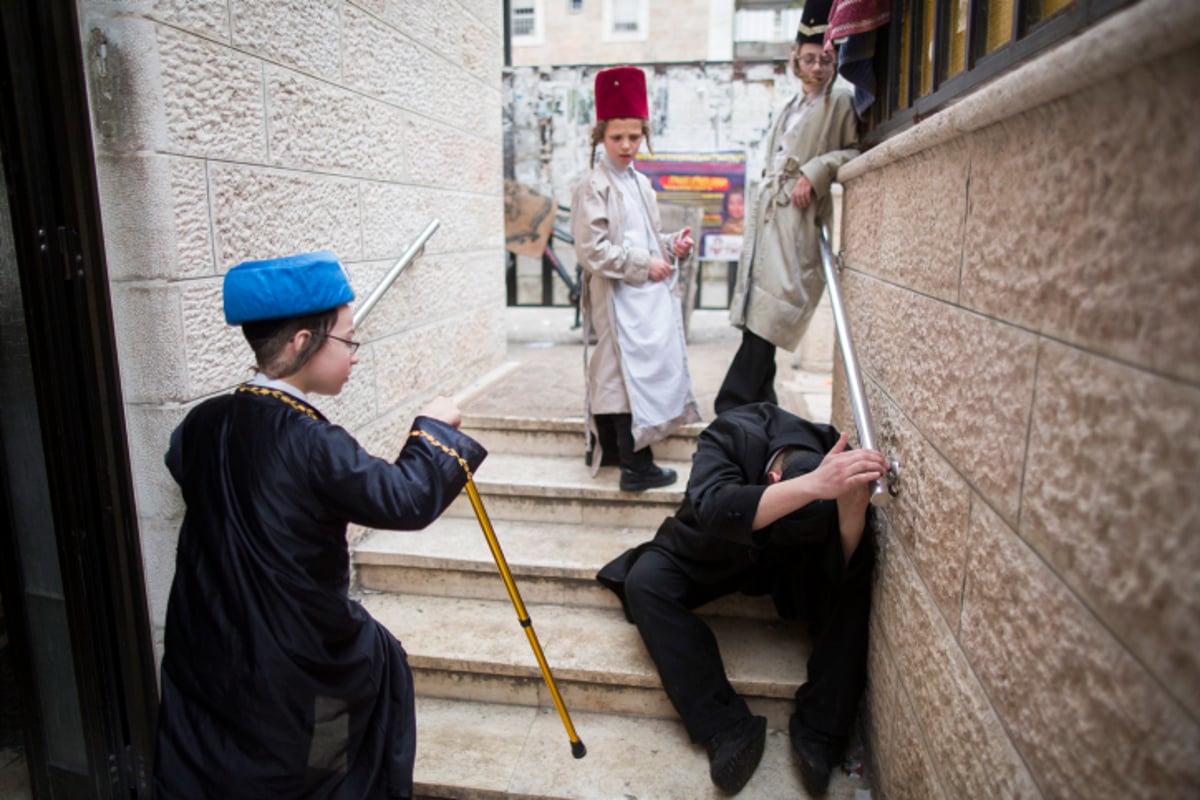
[
  {"x": 616, "y": 443},
  {"x": 751, "y": 375},
  {"x": 661, "y": 597}
]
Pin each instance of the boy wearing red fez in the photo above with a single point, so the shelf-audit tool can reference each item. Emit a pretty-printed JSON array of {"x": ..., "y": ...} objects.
[
  {"x": 638, "y": 386},
  {"x": 274, "y": 682}
]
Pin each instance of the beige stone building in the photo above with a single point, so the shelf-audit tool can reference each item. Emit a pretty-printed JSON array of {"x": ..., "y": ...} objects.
[
  {"x": 569, "y": 32},
  {"x": 191, "y": 136},
  {"x": 1021, "y": 261},
  {"x": 553, "y": 32},
  {"x": 1020, "y": 273}
]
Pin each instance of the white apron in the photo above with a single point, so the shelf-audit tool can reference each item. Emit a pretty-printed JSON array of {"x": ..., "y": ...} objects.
[{"x": 649, "y": 323}]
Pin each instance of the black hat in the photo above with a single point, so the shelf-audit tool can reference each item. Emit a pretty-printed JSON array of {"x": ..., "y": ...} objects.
[{"x": 813, "y": 22}]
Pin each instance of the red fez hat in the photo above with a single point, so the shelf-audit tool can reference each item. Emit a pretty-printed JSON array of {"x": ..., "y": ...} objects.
[{"x": 621, "y": 92}]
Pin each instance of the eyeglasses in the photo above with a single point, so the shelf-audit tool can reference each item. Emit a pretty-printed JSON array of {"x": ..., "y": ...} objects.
[
  {"x": 349, "y": 343},
  {"x": 813, "y": 61}
]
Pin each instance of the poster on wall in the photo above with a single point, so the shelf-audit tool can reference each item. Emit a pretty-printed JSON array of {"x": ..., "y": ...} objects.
[{"x": 712, "y": 181}]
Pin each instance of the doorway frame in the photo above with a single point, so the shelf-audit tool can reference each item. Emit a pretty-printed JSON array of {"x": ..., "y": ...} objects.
[{"x": 49, "y": 161}]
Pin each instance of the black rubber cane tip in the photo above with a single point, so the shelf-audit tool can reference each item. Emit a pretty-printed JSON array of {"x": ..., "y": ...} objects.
[{"x": 578, "y": 750}]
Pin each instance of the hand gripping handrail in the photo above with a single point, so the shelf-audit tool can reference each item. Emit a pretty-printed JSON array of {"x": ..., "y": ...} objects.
[
  {"x": 401, "y": 264},
  {"x": 886, "y": 487},
  {"x": 577, "y": 747}
]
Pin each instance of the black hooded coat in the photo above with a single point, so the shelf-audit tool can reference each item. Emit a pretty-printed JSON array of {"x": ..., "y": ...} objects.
[
  {"x": 798, "y": 560},
  {"x": 710, "y": 537}
]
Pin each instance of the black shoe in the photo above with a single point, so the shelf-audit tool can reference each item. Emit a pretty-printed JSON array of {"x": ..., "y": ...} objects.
[
  {"x": 646, "y": 479},
  {"x": 817, "y": 753},
  {"x": 734, "y": 753}
]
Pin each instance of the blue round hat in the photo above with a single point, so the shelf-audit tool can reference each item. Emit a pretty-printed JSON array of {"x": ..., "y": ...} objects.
[{"x": 285, "y": 287}]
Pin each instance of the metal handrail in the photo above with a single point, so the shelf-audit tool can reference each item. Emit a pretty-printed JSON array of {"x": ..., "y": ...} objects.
[
  {"x": 414, "y": 250},
  {"x": 884, "y": 488}
]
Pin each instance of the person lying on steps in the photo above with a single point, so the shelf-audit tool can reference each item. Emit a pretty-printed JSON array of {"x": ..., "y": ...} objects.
[{"x": 775, "y": 505}]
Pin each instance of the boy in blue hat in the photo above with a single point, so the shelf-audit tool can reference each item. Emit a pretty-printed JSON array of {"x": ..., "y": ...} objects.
[{"x": 274, "y": 682}]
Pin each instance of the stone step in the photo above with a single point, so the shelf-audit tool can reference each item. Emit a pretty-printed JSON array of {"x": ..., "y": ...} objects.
[
  {"x": 561, "y": 436},
  {"x": 476, "y": 650},
  {"x": 560, "y": 489},
  {"x": 477, "y": 751},
  {"x": 551, "y": 562}
]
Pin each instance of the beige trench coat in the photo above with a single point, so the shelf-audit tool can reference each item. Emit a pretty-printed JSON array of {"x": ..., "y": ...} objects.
[
  {"x": 597, "y": 223},
  {"x": 779, "y": 277}
]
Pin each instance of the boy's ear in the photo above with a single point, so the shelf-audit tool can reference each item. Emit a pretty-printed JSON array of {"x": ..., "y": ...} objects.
[
  {"x": 300, "y": 339},
  {"x": 774, "y": 476}
]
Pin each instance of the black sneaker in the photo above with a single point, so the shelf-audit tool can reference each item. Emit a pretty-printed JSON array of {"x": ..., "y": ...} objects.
[
  {"x": 734, "y": 753},
  {"x": 649, "y": 478},
  {"x": 816, "y": 753}
]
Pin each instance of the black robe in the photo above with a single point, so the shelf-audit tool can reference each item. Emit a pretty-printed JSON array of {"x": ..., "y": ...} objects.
[
  {"x": 798, "y": 560},
  {"x": 710, "y": 537},
  {"x": 275, "y": 684}
]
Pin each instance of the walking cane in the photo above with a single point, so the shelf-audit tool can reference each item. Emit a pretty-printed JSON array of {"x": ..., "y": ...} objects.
[{"x": 577, "y": 748}]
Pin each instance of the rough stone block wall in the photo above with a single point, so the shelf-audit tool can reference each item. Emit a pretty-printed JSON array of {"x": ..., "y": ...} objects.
[
  {"x": 1022, "y": 291},
  {"x": 227, "y": 131}
]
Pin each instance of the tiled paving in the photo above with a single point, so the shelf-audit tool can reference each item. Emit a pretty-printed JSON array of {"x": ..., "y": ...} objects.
[{"x": 545, "y": 375}]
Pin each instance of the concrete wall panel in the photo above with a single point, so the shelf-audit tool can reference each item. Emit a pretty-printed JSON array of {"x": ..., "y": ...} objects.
[
  {"x": 1103, "y": 503},
  {"x": 148, "y": 326},
  {"x": 386, "y": 64},
  {"x": 930, "y": 514},
  {"x": 150, "y": 426},
  {"x": 949, "y": 704},
  {"x": 1093, "y": 194},
  {"x": 899, "y": 753},
  {"x": 165, "y": 240},
  {"x": 1058, "y": 391},
  {"x": 217, "y": 354},
  {"x": 303, "y": 34},
  {"x": 229, "y": 130},
  {"x": 209, "y": 17},
  {"x": 452, "y": 159},
  {"x": 260, "y": 212},
  {"x": 316, "y": 126},
  {"x": 212, "y": 98},
  {"x": 964, "y": 380},
  {"x": 921, "y": 230},
  {"x": 862, "y": 217},
  {"x": 1086, "y": 716}
]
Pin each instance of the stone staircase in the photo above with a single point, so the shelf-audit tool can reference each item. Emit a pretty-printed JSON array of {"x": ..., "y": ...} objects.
[{"x": 487, "y": 726}]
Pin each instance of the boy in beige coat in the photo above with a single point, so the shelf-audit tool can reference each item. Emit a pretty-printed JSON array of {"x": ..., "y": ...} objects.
[{"x": 779, "y": 278}]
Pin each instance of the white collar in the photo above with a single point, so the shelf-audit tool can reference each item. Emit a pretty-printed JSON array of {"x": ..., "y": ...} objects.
[{"x": 260, "y": 379}]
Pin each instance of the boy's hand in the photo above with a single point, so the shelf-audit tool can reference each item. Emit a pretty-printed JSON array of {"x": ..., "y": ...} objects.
[
  {"x": 802, "y": 193},
  {"x": 444, "y": 409},
  {"x": 683, "y": 243},
  {"x": 844, "y": 471},
  {"x": 659, "y": 269}
]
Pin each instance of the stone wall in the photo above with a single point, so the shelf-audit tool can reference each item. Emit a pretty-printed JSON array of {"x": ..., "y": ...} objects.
[
  {"x": 227, "y": 131},
  {"x": 1022, "y": 276}
]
